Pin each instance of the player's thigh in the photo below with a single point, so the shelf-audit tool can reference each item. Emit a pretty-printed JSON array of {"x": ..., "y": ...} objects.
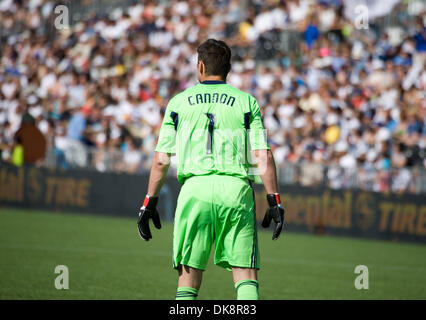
[
  {"x": 193, "y": 234},
  {"x": 236, "y": 235}
]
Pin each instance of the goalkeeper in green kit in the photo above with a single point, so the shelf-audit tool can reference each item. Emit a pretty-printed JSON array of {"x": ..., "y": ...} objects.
[{"x": 217, "y": 134}]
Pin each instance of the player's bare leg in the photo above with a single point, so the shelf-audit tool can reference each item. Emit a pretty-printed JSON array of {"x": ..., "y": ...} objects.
[
  {"x": 245, "y": 281},
  {"x": 189, "y": 283},
  {"x": 243, "y": 274}
]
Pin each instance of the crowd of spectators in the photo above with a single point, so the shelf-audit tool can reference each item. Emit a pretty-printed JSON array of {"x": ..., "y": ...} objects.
[{"x": 344, "y": 106}]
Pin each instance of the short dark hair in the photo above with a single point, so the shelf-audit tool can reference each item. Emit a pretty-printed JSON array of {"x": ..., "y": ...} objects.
[{"x": 216, "y": 56}]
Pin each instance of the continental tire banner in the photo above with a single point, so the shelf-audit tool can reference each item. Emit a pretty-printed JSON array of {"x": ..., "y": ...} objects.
[
  {"x": 317, "y": 210},
  {"x": 81, "y": 191},
  {"x": 351, "y": 213}
]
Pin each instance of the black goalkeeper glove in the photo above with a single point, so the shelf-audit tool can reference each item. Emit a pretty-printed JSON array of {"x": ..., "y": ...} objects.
[
  {"x": 148, "y": 211},
  {"x": 275, "y": 212}
]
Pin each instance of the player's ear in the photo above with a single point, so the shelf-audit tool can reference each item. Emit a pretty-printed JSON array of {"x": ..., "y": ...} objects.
[{"x": 201, "y": 67}]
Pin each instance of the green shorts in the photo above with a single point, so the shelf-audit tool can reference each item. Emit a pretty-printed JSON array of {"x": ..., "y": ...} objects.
[{"x": 215, "y": 209}]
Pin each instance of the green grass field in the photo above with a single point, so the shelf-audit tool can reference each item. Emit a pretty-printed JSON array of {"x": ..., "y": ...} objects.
[{"x": 107, "y": 260}]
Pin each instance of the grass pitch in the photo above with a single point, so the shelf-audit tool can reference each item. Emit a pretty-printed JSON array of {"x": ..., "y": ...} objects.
[{"x": 107, "y": 260}]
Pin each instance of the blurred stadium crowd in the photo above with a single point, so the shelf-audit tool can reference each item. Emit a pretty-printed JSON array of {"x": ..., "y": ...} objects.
[{"x": 343, "y": 106}]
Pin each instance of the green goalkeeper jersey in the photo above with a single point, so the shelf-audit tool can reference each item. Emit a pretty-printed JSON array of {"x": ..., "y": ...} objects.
[{"x": 211, "y": 127}]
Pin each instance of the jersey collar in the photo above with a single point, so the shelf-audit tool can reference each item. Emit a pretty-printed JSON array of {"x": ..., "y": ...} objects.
[{"x": 213, "y": 82}]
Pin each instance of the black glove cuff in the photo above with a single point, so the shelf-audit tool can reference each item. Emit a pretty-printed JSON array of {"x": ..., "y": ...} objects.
[
  {"x": 150, "y": 202},
  {"x": 273, "y": 199}
]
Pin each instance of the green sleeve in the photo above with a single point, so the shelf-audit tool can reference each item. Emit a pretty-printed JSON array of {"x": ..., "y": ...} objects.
[
  {"x": 257, "y": 133},
  {"x": 167, "y": 137}
]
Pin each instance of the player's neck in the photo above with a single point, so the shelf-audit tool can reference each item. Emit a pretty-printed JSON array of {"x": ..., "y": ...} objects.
[{"x": 212, "y": 78}]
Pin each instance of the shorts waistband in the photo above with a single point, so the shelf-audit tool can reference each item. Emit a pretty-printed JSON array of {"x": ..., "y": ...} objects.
[{"x": 218, "y": 176}]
